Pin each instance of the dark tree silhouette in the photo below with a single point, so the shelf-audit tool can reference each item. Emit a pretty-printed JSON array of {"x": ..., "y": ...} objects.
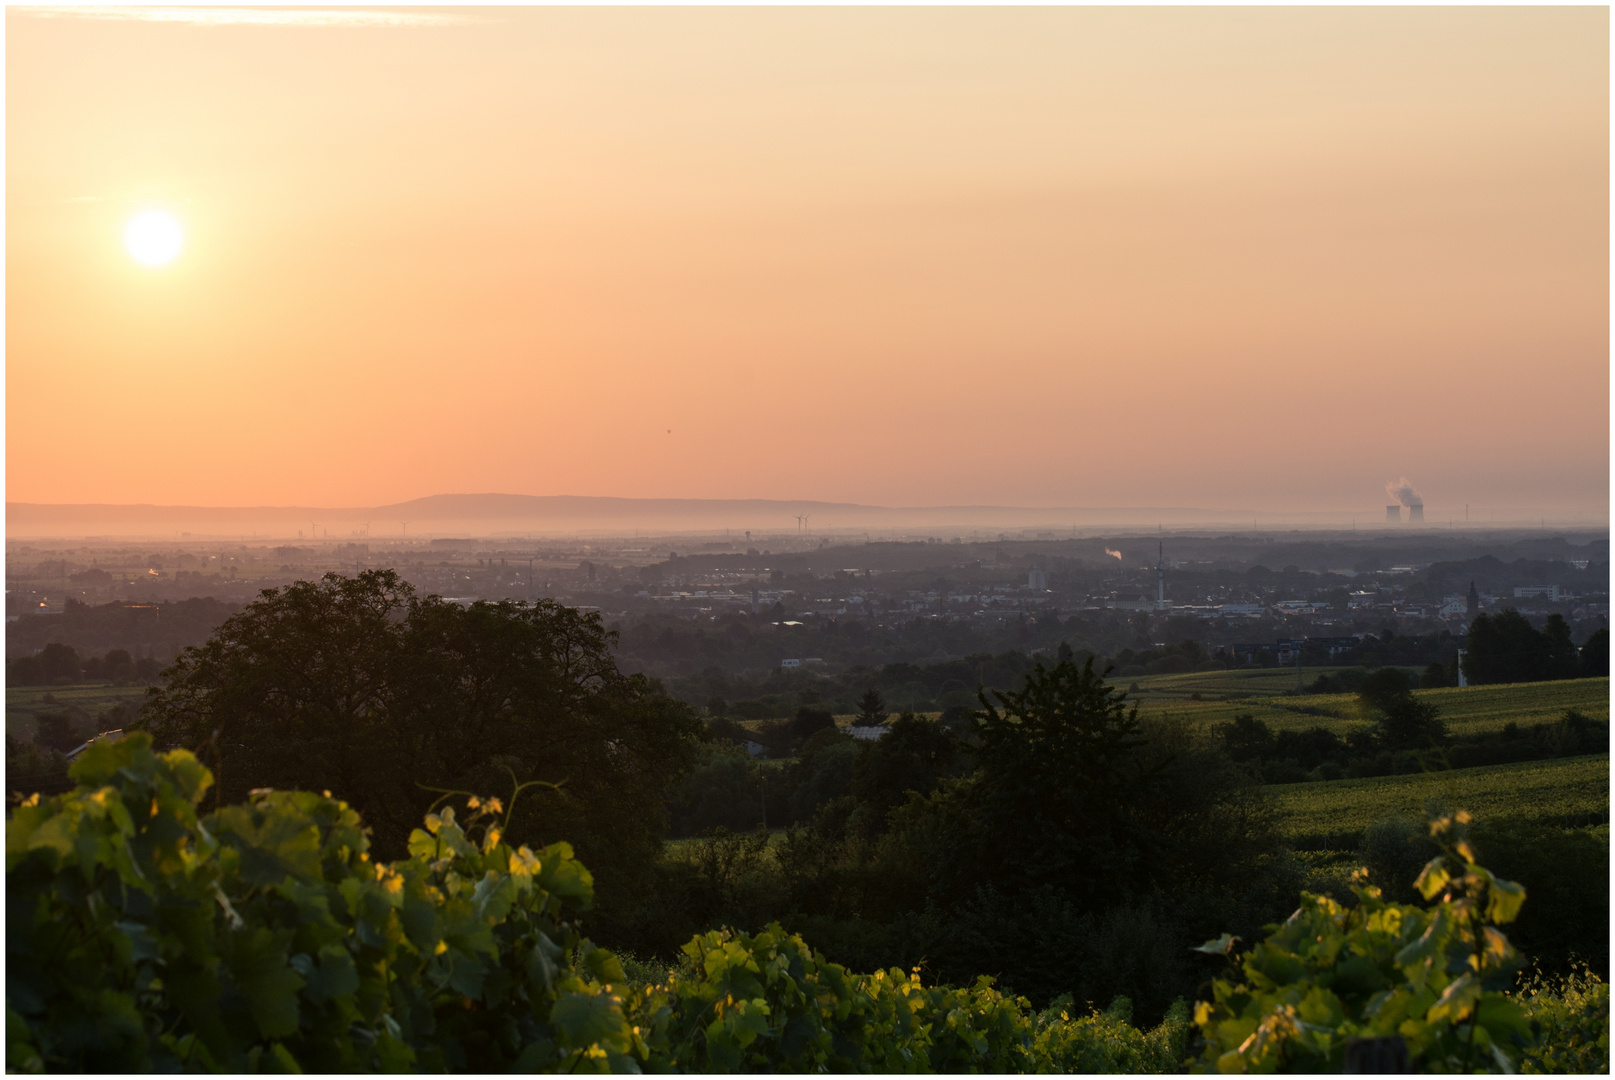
[
  {"x": 359, "y": 686},
  {"x": 871, "y": 708},
  {"x": 1595, "y": 655}
]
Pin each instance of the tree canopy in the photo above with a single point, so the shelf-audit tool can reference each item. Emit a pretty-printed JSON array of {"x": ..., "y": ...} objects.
[
  {"x": 360, "y": 686},
  {"x": 1506, "y": 648}
]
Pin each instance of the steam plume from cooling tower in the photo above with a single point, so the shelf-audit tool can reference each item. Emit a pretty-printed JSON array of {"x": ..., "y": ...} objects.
[
  {"x": 1402, "y": 491},
  {"x": 1113, "y": 554}
]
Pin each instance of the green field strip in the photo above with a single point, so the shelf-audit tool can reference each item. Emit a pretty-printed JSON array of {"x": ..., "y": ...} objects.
[
  {"x": 1335, "y": 812},
  {"x": 1470, "y": 710},
  {"x": 23, "y": 703}
]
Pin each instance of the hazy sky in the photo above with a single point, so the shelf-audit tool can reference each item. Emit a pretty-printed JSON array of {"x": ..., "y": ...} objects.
[{"x": 1265, "y": 258}]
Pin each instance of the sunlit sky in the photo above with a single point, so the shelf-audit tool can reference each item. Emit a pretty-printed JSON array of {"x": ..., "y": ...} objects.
[{"x": 1264, "y": 258}]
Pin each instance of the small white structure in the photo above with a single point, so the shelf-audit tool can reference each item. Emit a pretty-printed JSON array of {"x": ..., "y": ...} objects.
[
  {"x": 789, "y": 664},
  {"x": 869, "y": 734},
  {"x": 115, "y": 735}
]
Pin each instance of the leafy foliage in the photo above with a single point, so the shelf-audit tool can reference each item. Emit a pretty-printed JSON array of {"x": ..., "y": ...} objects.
[
  {"x": 768, "y": 1003},
  {"x": 262, "y": 937},
  {"x": 1330, "y": 976},
  {"x": 142, "y": 937},
  {"x": 1572, "y": 1015}
]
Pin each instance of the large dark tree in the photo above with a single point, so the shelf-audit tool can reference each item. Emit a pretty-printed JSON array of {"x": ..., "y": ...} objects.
[
  {"x": 1505, "y": 648},
  {"x": 871, "y": 708},
  {"x": 1560, "y": 659},
  {"x": 362, "y": 687},
  {"x": 1099, "y": 806},
  {"x": 59, "y": 662},
  {"x": 1119, "y": 839},
  {"x": 913, "y": 756},
  {"x": 1595, "y": 655},
  {"x": 1406, "y": 723}
]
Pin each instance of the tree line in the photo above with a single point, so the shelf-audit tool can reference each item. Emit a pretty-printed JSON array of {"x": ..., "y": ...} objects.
[{"x": 1506, "y": 648}]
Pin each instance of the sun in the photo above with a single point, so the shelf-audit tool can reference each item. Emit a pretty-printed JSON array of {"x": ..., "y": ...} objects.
[{"x": 154, "y": 238}]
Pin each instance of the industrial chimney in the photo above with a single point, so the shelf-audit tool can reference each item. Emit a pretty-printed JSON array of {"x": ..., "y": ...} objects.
[
  {"x": 1393, "y": 514},
  {"x": 1416, "y": 514}
]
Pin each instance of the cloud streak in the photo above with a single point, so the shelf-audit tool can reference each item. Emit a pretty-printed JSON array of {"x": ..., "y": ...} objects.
[{"x": 198, "y": 16}]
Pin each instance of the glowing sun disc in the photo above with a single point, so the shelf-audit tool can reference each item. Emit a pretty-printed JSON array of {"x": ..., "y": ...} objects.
[{"x": 153, "y": 238}]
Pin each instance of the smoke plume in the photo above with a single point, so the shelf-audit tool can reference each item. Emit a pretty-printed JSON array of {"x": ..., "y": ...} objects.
[
  {"x": 1403, "y": 492},
  {"x": 1115, "y": 554}
]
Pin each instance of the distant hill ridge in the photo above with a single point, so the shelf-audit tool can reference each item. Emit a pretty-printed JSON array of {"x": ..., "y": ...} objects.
[{"x": 499, "y": 513}]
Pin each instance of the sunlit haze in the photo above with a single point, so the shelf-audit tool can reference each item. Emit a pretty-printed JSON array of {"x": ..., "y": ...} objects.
[{"x": 1259, "y": 259}]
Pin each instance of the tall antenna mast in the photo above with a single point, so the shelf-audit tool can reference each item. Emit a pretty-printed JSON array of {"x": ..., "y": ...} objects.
[{"x": 1160, "y": 577}]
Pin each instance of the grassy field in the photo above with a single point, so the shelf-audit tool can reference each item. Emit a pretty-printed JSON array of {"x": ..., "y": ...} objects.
[
  {"x": 25, "y": 702},
  {"x": 1334, "y": 813},
  {"x": 1260, "y": 682},
  {"x": 1468, "y": 711}
]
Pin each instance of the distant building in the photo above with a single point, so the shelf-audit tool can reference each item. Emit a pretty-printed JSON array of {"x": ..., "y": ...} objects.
[
  {"x": 1037, "y": 579},
  {"x": 790, "y": 664},
  {"x": 1283, "y": 652},
  {"x": 1334, "y": 645},
  {"x": 1549, "y": 591}
]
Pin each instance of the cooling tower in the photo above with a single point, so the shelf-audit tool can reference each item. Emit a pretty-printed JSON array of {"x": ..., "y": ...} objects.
[
  {"x": 1416, "y": 514},
  {"x": 1393, "y": 514}
]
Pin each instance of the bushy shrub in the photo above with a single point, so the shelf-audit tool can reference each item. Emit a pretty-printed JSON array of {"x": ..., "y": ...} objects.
[
  {"x": 142, "y": 937},
  {"x": 1566, "y": 871},
  {"x": 1570, "y": 1015},
  {"x": 768, "y": 1003},
  {"x": 1383, "y": 985}
]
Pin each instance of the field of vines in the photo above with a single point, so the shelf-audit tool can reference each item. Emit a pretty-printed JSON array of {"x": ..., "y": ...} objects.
[
  {"x": 24, "y": 703},
  {"x": 1333, "y": 814},
  {"x": 1472, "y": 710}
]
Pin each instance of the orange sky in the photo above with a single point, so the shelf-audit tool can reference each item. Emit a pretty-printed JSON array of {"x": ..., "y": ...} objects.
[{"x": 1265, "y": 258}]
